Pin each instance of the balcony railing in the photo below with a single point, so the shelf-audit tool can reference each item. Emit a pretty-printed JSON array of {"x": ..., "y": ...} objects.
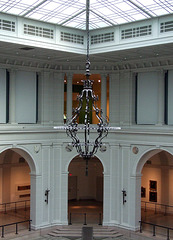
[
  {"x": 158, "y": 207},
  {"x": 85, "y": 218},
  {"x": 154, "y": 226},
  {"x": 14, "y": 205},
  {"x": 16, "y": 226}
]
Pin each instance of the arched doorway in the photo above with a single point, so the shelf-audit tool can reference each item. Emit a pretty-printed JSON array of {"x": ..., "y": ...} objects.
[
  {"x": 85, "y": 192},
  {"x": 156, "y": 192},
  {"x": 15, "y": 186}
]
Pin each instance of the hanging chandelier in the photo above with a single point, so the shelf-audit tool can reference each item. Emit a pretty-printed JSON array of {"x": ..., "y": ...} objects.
[{"x": 82, "y": 135}]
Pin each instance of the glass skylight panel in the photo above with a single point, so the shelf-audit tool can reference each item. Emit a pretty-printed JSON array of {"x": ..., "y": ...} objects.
[
  {"x": 15, "y": 11},
  {"x": 124, "y": 6},
  {"x": 51, "y": 6},
  {"x": 114, "y": 11},
  {"x": 159, "y": 12}
]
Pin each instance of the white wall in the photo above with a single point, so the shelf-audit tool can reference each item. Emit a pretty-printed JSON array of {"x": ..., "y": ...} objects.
[
  {"x": 3, "y": 97},
  {"x": 151, "y": 173},
  {"x": 26, "y": 94}
]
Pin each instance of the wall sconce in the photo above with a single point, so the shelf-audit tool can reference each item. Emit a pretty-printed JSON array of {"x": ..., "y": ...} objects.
[
  {"x": 47, "y": 195},
  {"x": 124, "y": 195}
]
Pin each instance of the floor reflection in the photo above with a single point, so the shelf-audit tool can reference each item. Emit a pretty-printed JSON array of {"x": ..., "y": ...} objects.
[{"x": 85, "y": 211}]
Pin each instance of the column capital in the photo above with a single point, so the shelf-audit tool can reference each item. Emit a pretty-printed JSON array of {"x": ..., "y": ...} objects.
[
  {"x": 57, "y": 74},
  {"x": 103, "y": 75},
  {"x": 69, "y": 74}
]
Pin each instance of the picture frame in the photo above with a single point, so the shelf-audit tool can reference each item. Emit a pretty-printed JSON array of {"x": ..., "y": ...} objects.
[
  {"x": 153, "y": 185},
  {"x": 143, "y": 192},
  {"x": 153, "y": 196}
]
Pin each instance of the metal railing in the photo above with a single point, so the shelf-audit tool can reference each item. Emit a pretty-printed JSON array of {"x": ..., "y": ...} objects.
[
  {"x": 16, "y": 226},
  {"x": 164, "y": 206},
  {"x": 154, "y": 228},
  {"x": 14, "y": 205},
  {"x": 85, "y": 218}
]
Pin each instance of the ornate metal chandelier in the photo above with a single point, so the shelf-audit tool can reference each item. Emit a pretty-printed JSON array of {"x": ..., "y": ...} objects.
[{"x": 81, "y": 133}]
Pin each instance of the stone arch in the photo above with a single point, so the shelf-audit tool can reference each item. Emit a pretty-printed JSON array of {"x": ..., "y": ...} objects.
[
  {"x": 25, "y": 154},
  {"x": 145, "y": 156},
  {"x": 74, "y": 156},
  {"x": 137, "y": 174}
]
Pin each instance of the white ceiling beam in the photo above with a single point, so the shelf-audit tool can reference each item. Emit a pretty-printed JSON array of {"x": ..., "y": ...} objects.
[
  {"x": 102, "y": 18},
  {"x": 69, "y": 19},
  {"x": 143, "y": 10},
  {"x": 35, "y": 7}
]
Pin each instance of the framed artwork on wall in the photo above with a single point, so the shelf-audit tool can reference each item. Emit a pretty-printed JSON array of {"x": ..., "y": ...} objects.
[
  {"x": 153, "y": 196},
  {"x": 143, "y": 192},
  {"x": 153, "y": 185}
]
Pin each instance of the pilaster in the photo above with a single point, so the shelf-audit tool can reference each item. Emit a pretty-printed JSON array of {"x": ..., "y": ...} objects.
[
  {"x": 104, "y": 94},
  {"x": 58, "y": 95},
  {"x": 12, "y": 97},
  {"x": 69, "y": 94},
  {"x": 114, "y": 99}
]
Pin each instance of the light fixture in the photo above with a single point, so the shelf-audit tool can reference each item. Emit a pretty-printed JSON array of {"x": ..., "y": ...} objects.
[{"x": 83, "y": 136}]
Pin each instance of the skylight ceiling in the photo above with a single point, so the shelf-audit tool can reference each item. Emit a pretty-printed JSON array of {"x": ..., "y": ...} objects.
[{"x": 103, "y": 13}]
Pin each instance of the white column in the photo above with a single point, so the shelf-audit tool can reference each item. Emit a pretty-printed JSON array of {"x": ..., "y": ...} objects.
[
  {"x": 69, "y": 94},
  {"x": 12, "y": 97},
  {"x": 106, "y": 200},
  {"x": 114, "y": 99},
  {"x": 125, "y": 178},
  {"x": 36, "y": 202},
  {"x": 58, "y": 114},
  {"x": 104, "y": 94},
  {"x": 56, "y": 186},
  {"x": 64, "y": 198},
  {"x": 135, "y": 202},
  {"x": 161, "y": 99}
]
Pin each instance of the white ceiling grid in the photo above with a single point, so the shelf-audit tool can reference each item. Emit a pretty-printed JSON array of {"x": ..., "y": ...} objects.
[{"x": 72, "y": 13}]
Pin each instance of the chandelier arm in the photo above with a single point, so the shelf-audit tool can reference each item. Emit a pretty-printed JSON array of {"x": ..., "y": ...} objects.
[
  {"x": 72, "y": 134},
  {"x": 98, "y": 142},
  {"x": 97, "y": 115}
]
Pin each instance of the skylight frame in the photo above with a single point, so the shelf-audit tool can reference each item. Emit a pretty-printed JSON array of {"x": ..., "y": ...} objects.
[{"x": 71, "y": 13}]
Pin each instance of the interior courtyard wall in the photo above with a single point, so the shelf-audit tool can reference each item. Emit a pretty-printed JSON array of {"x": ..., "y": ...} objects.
[{"x": 52, "y": 160}]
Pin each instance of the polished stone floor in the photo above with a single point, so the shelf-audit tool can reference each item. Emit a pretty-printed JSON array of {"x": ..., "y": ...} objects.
[
  {"x": 89, "y": 212},
  {"x": 93, "y": 211}
]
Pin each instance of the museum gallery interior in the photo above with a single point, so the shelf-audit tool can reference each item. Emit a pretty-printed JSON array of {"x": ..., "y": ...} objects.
[{"x": 86, "y": 113}]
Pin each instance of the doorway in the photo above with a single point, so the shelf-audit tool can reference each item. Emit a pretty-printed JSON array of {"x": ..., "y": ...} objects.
[
  {"x": 156, "y": 189},
  {"x": 14, "y": 187},
  {"x": 85, "y": 192}
]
